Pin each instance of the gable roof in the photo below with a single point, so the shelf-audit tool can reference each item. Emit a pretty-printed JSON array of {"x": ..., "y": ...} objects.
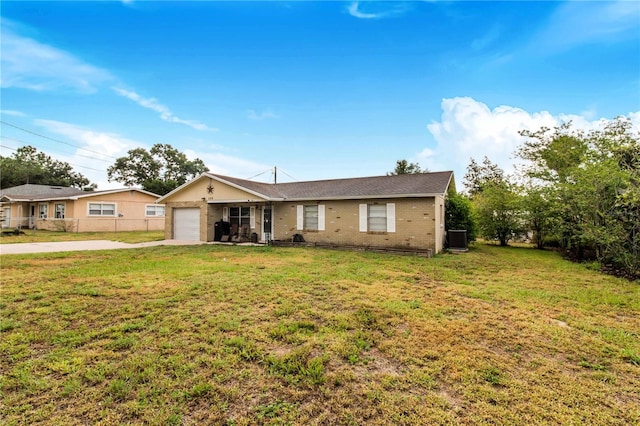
[
  {"x": 33, "y": 192},
  {"x": 406, "y": 185}
]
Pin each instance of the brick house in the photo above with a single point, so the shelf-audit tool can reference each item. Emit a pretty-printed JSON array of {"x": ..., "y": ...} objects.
[{"x": 402, "y": 211}]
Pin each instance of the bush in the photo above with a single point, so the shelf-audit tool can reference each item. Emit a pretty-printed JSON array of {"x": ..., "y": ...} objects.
[{"x": 459, "y": 215}]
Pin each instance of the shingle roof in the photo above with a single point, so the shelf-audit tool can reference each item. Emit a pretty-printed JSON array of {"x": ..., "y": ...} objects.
[
  {"x": 405, "y": 185},
  {"x": 33, "y": 192},
  {"x": 39, "y": 192}
]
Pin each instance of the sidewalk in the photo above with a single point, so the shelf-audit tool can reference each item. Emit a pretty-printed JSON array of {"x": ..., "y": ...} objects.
[{"x": 25, "y": 248}]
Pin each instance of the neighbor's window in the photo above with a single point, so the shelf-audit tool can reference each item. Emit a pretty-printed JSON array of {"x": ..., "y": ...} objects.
[
  {"x": 102, "y": 209},
  {"x": 59, "y": 211},
  {"x": 311, "y": 218},
  {"x": 43, "y": 211},
  {"x": 377, "y": 218},
  {"x": 155, "y": 210}
]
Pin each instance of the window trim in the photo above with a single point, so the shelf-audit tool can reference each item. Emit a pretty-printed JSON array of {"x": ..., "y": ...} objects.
[
  {"x": 55, "y": 210},
  {"x": 230, "y": 217},
  {"x": 365, "y": 216},
  {"x": 102, "y": 204},
  {"x": 43, "y": 213},
  {"x": 301, "y": 218},
  {"x": 310, "y": 211},
  {"x": 376, "y": 217},
  {"x": 155, "y": 206}
]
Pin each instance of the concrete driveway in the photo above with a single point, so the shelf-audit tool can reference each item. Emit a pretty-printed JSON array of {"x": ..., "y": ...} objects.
[{"x": 24, "y": 248}]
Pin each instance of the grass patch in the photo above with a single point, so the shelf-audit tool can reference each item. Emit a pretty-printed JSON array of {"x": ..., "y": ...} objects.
[
  {"x": 41, "y": 236},
  {"x": 262, "y": 335}
]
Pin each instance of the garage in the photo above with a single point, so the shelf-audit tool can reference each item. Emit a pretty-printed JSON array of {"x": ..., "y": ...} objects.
[{"x": 186, "y": 224}]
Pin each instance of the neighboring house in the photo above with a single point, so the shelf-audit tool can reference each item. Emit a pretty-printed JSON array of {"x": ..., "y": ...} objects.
[
  {"x": 58, "y": 208},
  {"x": 402, "y": 211}
]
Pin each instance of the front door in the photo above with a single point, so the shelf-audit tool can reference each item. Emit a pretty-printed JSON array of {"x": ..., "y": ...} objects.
[
  {"x": 267, "y": 230},
  {"x": 32, "y": 216}
]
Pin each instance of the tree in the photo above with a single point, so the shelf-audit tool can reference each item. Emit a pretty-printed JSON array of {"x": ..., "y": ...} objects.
[
  {"x": 538, "y": 214},
  {"x": 479, "y": 176},
  {"x": 591, "y": 181},
  {"x": 496, "y": 202},
  {"x": 159, "y": 170},
  {"x": 403, "y": 167},
  {"x": 499, "y": 211},
  {"x": 459, "y": 215},
  {"x": 28, "y": 165}
]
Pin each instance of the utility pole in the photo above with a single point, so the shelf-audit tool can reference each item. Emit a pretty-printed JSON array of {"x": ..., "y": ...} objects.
[{"x": 275, "y": 174}]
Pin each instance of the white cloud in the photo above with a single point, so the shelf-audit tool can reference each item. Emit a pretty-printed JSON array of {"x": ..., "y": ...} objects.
[
  {"x": 578, "y": 23},
  {"x": 253, "y": 115},
  {"x": 228, "y": 165},
  {"x": 97, "y": 150},
  {"x": 470, "y": 129},
  {"x": 164, "y": 111},
  {"x": 378, "y": 10},
  {"x": 29, "y": 64},
  {"x": 13, "y": 113}
]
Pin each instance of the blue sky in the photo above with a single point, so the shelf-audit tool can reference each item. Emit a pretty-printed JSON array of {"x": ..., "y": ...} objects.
[{"x": 321, "y": 90}]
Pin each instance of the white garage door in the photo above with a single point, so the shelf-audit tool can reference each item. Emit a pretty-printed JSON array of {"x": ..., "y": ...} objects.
[{"x": 186, "y": 224}]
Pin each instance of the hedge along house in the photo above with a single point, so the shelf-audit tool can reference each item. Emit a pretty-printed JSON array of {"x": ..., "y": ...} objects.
[
  {"x": 401, "y": 211},
  {"x": 59, "y": 208}
]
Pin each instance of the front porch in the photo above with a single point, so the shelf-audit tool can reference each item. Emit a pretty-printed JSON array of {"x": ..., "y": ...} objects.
[{"x": 240, "y": 222}]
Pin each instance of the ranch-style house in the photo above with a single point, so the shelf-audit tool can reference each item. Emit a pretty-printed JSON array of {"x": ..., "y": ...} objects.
[
  {"x": 401, "y": 211},
  {"x": 61, "y": 208}
]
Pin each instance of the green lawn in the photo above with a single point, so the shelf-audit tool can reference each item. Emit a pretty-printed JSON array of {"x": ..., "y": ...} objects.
[
  {"x": 262, "y": 335},
  {"x": 39, "y": 236}
]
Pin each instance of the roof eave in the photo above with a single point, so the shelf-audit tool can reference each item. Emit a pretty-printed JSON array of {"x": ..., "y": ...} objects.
[
  {"x": 216, "y": 178},
  {"x": 364, "y": 197}
]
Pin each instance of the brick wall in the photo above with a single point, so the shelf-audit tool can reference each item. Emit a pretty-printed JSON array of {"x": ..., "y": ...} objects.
[{"x": 415, "y": 224}]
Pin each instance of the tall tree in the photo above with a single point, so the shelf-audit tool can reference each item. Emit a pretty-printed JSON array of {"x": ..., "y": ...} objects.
[
  {"x": 159, "y": 170},
  {"x": 499, "y": 211},
  {"x": 403, "y": 167},
  {"x": 478, "y": 176},
  {"x": 28, "y": 165},
  {"x": 496, "y": 202}
]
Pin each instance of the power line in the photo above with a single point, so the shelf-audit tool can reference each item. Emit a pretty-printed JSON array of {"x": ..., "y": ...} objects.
[
  {"x": 56, "y": 140},
  {"x": 74, "y": 165},
  {"x": 259, "y": 174},
  {"x": 289, "y": 175},
  {"x": 33, "y": 144}
]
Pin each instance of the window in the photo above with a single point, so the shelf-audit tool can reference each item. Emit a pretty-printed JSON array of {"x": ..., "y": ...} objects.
[
  {"x": 102, "y": 209},
  {"x": 43, "y": 211},
  {"x": 310, "y": 218},
  {"x": 59, "y": 211},
  {"x": 378, "y": 217},
  {"x": 154, "y": 210},
  {"x": 240, "y": 216}
]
